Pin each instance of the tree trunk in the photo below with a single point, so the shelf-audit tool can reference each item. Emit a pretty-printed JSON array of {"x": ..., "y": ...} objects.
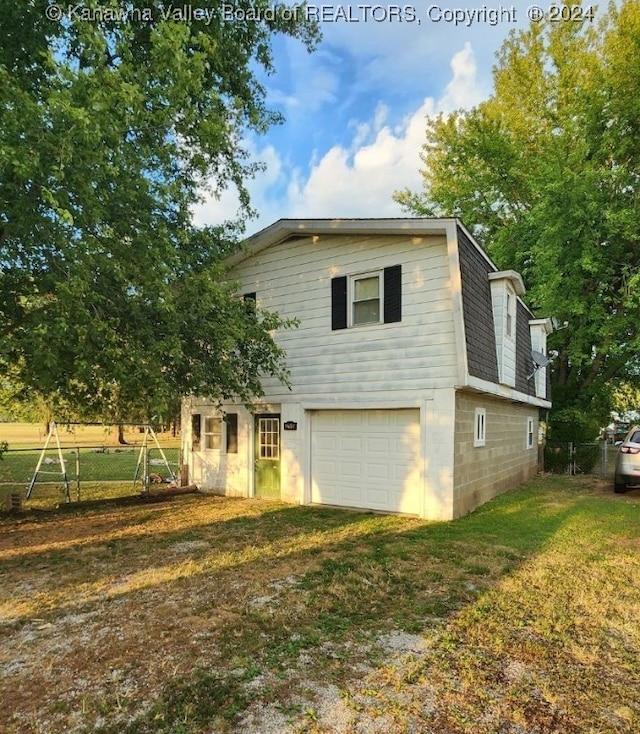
[{"x": 121, "y": 438}]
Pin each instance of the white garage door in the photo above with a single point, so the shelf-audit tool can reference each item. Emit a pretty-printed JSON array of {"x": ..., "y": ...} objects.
[{"x": 367, "y": 458}]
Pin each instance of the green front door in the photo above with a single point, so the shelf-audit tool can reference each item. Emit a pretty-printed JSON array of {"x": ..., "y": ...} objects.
[{"x": 268, "y": 456}]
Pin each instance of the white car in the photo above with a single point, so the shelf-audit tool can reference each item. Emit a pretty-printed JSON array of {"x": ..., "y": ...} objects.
[{"x": 628, "y": 462}]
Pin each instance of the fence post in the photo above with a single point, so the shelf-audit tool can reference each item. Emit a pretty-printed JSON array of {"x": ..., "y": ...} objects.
[
  {"x": 145, "y": 469},
  {"x": 78, "y": 473},
  {"x": 572, "y": 459}
]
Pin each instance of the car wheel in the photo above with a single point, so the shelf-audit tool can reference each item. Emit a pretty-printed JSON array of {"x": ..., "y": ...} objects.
[{"x": 619, "y": 488}]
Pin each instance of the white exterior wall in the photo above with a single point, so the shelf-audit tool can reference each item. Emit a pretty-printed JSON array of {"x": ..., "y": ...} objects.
[
  {"x": 213, "y": 469},
  {"x": 539, "y": 329},
  {"x": 232, "y": 474},
  {"x": 438, "y": 430},
  {"x": 364, "y": 362},
  {"x": 505, "y": 344},
  {"x": 293, "y": 463}
]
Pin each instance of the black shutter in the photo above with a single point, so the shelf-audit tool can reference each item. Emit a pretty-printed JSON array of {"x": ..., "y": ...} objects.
[
  {"x": 393, "y": 294},
  {"x": 231, "y": 419},
  {"x": 339, "y": 302},
  {"x": 196, "y": 425},
  {"x": 250, "y": 304}
]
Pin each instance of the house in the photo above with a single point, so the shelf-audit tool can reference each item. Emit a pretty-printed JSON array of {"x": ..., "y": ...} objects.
[{"x": 413, "y": 387}]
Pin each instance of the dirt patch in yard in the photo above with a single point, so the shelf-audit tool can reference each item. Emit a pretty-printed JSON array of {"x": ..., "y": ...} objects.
[
  {"x": 105, "y": 610},
  {"x": 208, "y": 614}
]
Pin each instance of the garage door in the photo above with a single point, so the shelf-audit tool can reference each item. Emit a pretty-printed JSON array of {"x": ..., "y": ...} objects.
[{"x": 367, "y": 458}]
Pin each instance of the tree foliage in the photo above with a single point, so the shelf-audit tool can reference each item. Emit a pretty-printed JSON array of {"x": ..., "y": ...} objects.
[
  {"x": 114, "y": 118},
  {"x": 547, "y": 174}
]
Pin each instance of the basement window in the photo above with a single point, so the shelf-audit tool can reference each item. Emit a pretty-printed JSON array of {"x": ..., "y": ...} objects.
[
  {"x": 530, "y": 436},
  {"x": 480, "y": 432}
]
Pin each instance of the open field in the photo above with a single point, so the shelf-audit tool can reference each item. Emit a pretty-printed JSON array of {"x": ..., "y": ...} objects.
[
  {"x": 33, "y": 435},
  {"x": 210, "y": 614}
]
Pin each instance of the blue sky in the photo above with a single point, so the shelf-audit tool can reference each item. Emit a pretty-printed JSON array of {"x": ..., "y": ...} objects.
[{"x": 356, "y": 108}]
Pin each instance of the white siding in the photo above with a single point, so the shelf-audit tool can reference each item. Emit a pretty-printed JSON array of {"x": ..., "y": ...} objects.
[
  {"x": 212, "y": 469},
  {"x": 418, "y": 353},
  {"x": 539, "y": 329},
  {"x": 505, "y": 343}
]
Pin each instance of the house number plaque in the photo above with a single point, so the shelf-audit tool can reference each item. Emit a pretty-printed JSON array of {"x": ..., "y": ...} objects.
[{"x": 290, "y": 426}]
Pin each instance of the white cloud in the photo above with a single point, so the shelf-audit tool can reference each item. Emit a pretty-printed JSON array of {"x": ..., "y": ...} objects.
[
  {"x": 358, "y": 179},
  {"x": 363, "y": 184},
  {"x": 463, "y": 91}
]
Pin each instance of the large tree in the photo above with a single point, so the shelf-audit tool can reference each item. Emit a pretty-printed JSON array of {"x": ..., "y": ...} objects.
[
  {"x": 114, "y": 118},
  {"x": 547, "y": 174}
]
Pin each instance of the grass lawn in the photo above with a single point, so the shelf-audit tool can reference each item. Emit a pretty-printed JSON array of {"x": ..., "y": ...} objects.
[{"x": 212, "y": 614}]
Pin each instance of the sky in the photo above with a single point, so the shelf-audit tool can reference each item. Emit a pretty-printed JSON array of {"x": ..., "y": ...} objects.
[{"x": 355, "y": 109}]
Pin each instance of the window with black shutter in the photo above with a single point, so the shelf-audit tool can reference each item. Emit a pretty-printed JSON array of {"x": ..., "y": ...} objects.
[{"x": 367, "y": 298}]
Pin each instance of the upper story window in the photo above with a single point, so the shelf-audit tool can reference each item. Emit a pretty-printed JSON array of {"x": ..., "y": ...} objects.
[
  {"x": 510, "y": 310},
  {"x": 367, "y": 298}
]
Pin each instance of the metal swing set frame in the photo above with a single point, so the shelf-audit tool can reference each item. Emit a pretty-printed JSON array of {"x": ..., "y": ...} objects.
[{"x": 142, "y": 463}]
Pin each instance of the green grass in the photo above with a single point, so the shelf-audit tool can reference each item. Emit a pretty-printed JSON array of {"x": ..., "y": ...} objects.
[{"x": 528, "y": 609}]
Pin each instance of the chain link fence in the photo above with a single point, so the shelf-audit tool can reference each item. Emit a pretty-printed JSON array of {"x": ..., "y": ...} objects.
[
  {"x": 597, "y": 458},
  {"x": 41, "y": 478}
]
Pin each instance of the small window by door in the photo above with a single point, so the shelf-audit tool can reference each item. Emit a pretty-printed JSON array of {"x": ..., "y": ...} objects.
[{"x": 212, "y": 433}]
